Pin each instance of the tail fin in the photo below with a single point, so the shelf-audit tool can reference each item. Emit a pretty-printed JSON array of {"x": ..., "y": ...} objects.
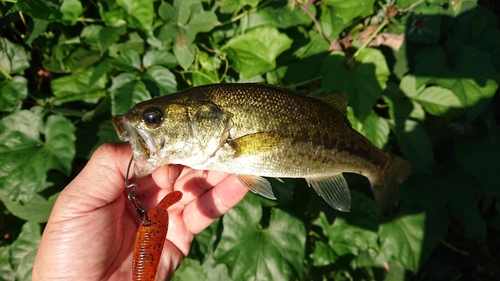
[{"x": 386, "y": 193}]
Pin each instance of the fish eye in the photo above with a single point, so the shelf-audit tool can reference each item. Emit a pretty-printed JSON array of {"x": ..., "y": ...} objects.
[{"x": 152, "y": 116}]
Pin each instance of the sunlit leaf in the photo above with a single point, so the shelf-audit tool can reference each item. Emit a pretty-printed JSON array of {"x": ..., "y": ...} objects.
[
  {"x": 255, "y": 52},
  {"x": 23, "y": 250},
  {"x": 184, "y": 53},
  {"x": 70, "y": 11},
  {"x": 159, "y": 81},
  {"x": 127, "y": 90},
  {"x": 140, "y": 11},
  {"x": 401, "y": 238},
  {"x": 13, "y": 58},
  {"x": 77, "y": 87},
  {"x": 162, "y": 58},
  {"x": 439, "y": 101},
  {"x": 248, "y": 250},
  {"x": 7, "y": 273},
  {"x": 350, "y": 10}
]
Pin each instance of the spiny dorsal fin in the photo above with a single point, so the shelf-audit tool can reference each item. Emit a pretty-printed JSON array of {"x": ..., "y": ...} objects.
[{"x": 338, "y": 100}]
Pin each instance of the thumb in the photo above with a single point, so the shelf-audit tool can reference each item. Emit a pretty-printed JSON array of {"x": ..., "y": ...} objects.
[{"x": 102, "y": 180}]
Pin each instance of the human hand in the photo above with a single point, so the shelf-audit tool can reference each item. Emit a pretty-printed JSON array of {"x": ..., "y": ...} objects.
[{"x": 91, "y": 230}]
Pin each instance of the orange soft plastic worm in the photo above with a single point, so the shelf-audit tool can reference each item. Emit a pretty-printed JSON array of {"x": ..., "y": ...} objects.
[{"x": 151, "y": 238}]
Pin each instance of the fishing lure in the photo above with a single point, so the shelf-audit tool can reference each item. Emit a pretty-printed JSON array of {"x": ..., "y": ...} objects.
[
  {"x": 151, "y": 234},
  {"x": 151, "y": 238}
]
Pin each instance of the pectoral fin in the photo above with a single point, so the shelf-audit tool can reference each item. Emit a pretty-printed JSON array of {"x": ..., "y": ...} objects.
[
  {"x": 334, "y": 190},
  {"x": 254, "y": 143},
  {"x": 257, "y": 184}
]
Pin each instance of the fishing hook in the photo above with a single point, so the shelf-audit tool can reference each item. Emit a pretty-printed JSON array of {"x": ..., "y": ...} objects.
[{"x": 139, "y": 208}]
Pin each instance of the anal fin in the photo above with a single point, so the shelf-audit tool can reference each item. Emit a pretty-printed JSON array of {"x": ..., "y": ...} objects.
[
  {"x": 334, "y": 190},
  {"x": 258, "y": 185}
]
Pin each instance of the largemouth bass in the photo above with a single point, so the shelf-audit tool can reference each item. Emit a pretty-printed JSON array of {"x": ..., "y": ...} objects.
[{"x": 256, "y": 131}]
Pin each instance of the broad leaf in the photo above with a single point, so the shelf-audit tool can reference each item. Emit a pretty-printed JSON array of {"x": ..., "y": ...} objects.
[
  {"x": 13, "y": 57},
  {"x": 12, "y": 92},
  {"x": 127, "y": 90},
  {"x": 363, "y": 82},
  {"x": 350, "y": 10},
  {"x": 402, "y": 237},
  {"x": 159, "y": 81},
  {"x": 23, "y": 250},
  {"x": 141, "y": 12},
  {"x": 255, "y": 52},
  {"x": 374, "y": 128},
  {"x": 439, "y": 101},
  {"x": 78, "y": 87},
  {"x": 7, "y": 273},
  {"x": 162, "y": 58},
  {"x": 184, "y": 53},
  {"x": 415, "y": 144},
  {"x": 249, "y": 251},
  {"x": 27, "y": 158}
]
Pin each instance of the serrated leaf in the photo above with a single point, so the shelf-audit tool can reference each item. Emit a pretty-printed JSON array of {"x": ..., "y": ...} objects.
[
  {"x": 127, "y": 90},
  {"x": 439, "y": 101},
  {"x": 162, "y": 58},
  {"x": 77, "y": 87},
  {"x": 249, "y": 251},
  {"x": 185, "y": 54},
  {"x": 255, "y": 52},
  {"x": 23, "y": 250},
  {"x": 141, "y": 12},
  {"x": 402, "y": 238},
  {"x": 159, "y": 81},
  {"x": 13, "y": 57},
  {"x": 363, "y": 83},
  {"x": 349, "y": 10},
  {"x": 12, "y": 92},
  {"x": 26, "y": 158}
]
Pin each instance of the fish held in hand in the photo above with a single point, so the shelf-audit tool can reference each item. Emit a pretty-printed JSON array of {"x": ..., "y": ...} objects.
[{"x": 256, "y": 131}]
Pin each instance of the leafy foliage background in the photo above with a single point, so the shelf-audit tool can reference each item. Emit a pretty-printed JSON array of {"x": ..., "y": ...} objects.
[{"x": 421, "y": 78}]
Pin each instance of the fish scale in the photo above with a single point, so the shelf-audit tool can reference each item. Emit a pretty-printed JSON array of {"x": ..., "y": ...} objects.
[{"x": 258, "y": 130}]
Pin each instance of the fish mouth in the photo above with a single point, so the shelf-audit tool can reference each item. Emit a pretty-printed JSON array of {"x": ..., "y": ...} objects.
[{"x": 143, "y": 145}]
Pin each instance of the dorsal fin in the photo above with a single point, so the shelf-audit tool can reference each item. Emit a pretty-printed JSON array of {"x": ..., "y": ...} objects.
[{"x": 337, "y": 100}]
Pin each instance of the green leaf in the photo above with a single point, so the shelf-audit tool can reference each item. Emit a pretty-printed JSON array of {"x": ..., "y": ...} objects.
[
  {"x": 363, "y": 82},
  {"x": 127, "y": 90},
  {"x": 159, "y": 81},
  {"x": 12, "y": 92},
  {"x": 402, "y": 237},
  {"x": 190, "y": 270},
  {"x": 37, "y": 209},
  {"x": 185, "y": 54},
  {"x": 13, "y": 57},
  {"x": 27, "y": 158},
  {"x": 23, "y": 250},
  {"x": 35, "y": 28},
  {"x": 141, "y": 12},
  {"x": 162, "y": 58},
  {"x": 128, "y": 61},
  {"x": 70, "y": 11},
  {"x": 374, "y": 128},
  {"x": 40, "y": 9},
  {"x": 255, "y": 52},
  {"x": 203, "y": 21},
  {"x": 439, "y": 101},
  {"x": 78, "y": 87},
  {"x": 350, "y": 10},
  {"x": 415, "y": 144},
  {"x": 352, "y": 233},
  {"x": 7, "y": 273},
  {"x": 248, "y": 250},
  {"x": 472, "y": 78}
]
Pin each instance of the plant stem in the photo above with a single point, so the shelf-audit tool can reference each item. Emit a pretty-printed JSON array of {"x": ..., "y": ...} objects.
[
  {"x": 375, "y": 33},
  {"x": 5, "y": 73}
]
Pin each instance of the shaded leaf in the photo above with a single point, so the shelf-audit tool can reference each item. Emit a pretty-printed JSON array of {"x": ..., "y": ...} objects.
[
  {"x": 141, "y": 12},
  {"x": 350, "y": 10},
  {"x": 415, "y": 144},
  {"x": 161, "y": 58},
  {"x": 159, "y": 81},
  {"x": 7, "y": 273},
  {"x": 12, "y": 92},
  {"x": 78, "y": 87},
  {"x": 363, "y": 82}
]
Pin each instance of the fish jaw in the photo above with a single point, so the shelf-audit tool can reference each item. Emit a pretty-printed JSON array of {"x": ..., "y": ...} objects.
[{"x": 143, "y": 146}]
